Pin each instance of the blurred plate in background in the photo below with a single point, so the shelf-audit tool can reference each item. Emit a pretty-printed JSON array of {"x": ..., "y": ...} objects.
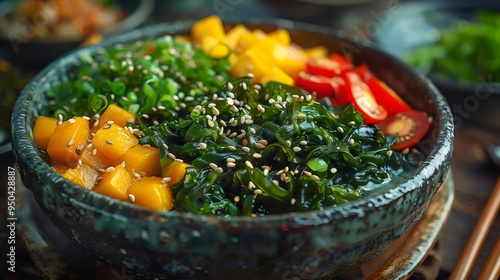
[
  {"x": 419, "y": 23},
  {"x": 30, "y": 53}
]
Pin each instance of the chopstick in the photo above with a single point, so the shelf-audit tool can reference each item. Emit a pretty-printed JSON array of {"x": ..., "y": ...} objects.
[
  {"x": 491, "y": 269},
  {"x": 467, "y": 258}
]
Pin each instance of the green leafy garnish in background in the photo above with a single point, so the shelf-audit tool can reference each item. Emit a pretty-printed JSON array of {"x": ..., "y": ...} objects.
[{"x": 466, "y": 52}]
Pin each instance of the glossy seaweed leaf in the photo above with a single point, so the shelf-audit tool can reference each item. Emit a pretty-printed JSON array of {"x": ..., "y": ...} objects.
[{"x": 273, "y": 150}]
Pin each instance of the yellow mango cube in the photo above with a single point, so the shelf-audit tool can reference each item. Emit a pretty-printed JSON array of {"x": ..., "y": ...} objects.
[
  {"x": 114, "y": 141},
  {"x": 68, "y": 141},
  {"x": 82, "y": 175},
  {"x": 277, "y": 75},
  {"x": 209, "y": 26},
  {"x": 142, "y": 161},
  {"x": 115, "y": 183},
  {"x": 116, "y": 114},
  {"x": 234, "y": 34},
  {"x": 175, "y": 171},
  {"x": 316, "y": 52},
  {"x": 42, "y": 131},
  {"x": 151, "y": 192},
  {"x": 281, "y": 35}
]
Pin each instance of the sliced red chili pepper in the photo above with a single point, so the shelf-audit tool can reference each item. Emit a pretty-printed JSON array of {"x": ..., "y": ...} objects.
[
  {"x": 328, "y": 67},
  {"x": 341, "y": 60},
  {"x": 386, "y": 97},
  {"x": 357, "y": 92},
  {"x": 410, "y": 127},
  {"x": 323, "y": 86},
  {"x": 363, "y": 72}
]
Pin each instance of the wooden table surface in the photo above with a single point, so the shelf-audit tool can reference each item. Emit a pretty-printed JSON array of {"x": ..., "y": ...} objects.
[{"x": 474, "y": 178}]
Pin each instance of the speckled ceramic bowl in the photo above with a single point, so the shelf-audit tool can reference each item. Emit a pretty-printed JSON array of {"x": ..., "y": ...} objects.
[{"x": 319, "y": 244}]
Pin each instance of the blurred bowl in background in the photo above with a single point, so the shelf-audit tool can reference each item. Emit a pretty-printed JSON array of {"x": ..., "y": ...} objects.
[
  {"x": 418, "y": 24},
  {"x": 21, "y": 47}
]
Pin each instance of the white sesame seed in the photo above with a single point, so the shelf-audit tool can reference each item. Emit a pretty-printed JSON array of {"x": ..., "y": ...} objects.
[
  {"x": 278, "y": 106},
  {"x": 293, "y": 200},
  {"x": 249, "y": 164},
  {"x": 351, "y": 123},
  {"x": 258, "y": 192},
  {"x": 263, "y": 142},
  {"x": 110, "y": 169},
  {"x": 303, "y": 143},
  {"x": 72, "y": 121},
  {"x": 219, "y": 170},
  {"x": 213, "y": 165},
  {"x": 215, "y": 111},
  {"x": 170, "y": 155},
  {"x": 131, "y": 197},
  {"x": 288, "y": 143},
  {"x": 389, "y": 153},
  {"x": 166, "y": 179},
  {"x": 202, "y": 146},
  {"x": 259, "y": 145},
  {"x": 297, "y": 149},
  {"x": 283, "y": 177},
  {"x": 351, "y": 141},
  {"x": 232, "y": 135},
  {"x": 276, "y": 183},
  {"x": 340, "y": 129},
  {"x": 70, "y": 142},
  {"x": 333, "y": 170}
]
